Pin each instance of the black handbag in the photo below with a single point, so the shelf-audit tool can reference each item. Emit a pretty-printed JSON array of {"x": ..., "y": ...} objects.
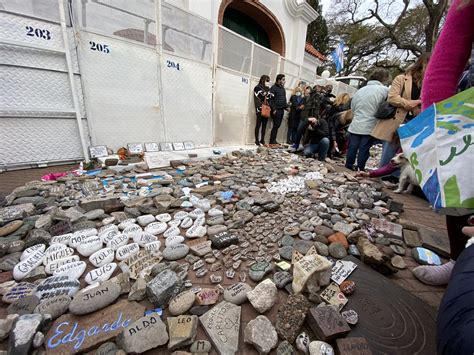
[{"x": 387, "y": 110}]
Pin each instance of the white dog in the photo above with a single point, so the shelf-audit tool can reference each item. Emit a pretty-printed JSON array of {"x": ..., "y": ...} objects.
[{"x": 407, "y": 174}]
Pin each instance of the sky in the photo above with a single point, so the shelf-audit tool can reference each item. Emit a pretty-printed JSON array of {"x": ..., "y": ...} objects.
[{"x": 326, "y": 4}]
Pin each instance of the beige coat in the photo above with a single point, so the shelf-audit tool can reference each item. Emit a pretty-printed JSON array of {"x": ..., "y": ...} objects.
[{"x": 385, "y": 129}]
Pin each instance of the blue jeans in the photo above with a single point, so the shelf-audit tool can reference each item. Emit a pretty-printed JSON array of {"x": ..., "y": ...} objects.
[
  {"x": 388, "y": 152},
  {"x": 321, "y": 148},
  {"x": 304, "y": 123},
  {"x": 359, "y": 146}
]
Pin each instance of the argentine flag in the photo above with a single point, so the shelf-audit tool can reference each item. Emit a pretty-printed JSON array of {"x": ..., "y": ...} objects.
[{"x": 338, "y": 56}]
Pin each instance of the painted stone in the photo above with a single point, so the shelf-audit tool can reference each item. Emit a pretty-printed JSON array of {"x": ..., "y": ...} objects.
[
  {"x": 74, "y": 270},
  {"x": 126, "y": 251},
  {"x": 145, "y": 219},
  {"x": 22, "y": 333},
  {"x": 175, "y": 252},
  {"x": 132, "y": 230},
  {"x": 18, "y": 291},
  {"x": 57, "y": 286},
  {"x": 174, "y": 240},
  {"x": 93, "y": 299},
  {"x": 156, "y": 228},
  {"x": 89, "y": 246},
  {"x": 57, "y": 255},
  {"x": 237, "y": 293},
  {"x": 55, "y": 306},
  {"x": 171, "y": 232},
  {"x": 23, "y": 268},
  {"x": 182, "y": 331},
  {"x": 125, "y": 223},
  {"x": 223, "y": 240},
  {"x": 100, "y": 274},
  {"x": 72, "y": 334},
  {"x": 107, "y": 228},
  {"x": 164, "y": 217},
  {"x": 102, "y": 257},
  {"x": 140, "y": 263},
  {"x": 31, "y": 250},
  {"x": 25, "y": 305},
  {"x": 207, "y": 296},
  {"x": 163, "y": 287},
  {"x": 145, "y": 333},
  {"x": 186, "y": 223},
  {"x": 63, "y": 239},
  {"x": 54, "y": 247},
  {"x": 153, "y": 246},
  {"x": 181, "y": 303},
  {"x": 196, "y": 231},
  {"x": 222, "y": 323},
  {"x": 144, "y": 238},
  {"x": 79, "y": 236},
  {"x": 347, "y": 287},
  {"x": 180, "y": 215},
  {"x": 118, "y": 241},
  {"x": 53, "y": 266},
  {"x": 109, "y": 235},
  {"x": 305, "y": 267},
  {"x": 201, "y": 249}
]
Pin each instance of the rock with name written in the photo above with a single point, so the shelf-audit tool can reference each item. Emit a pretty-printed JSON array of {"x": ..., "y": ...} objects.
[
  {"x": 237, "y": 293},
  {"x": 24, "y": 305},
  {"x": 28, "y": 252},
  {"x": 53, "y": 266},
  {"x": 18, "y": 291},
  {"x": 223, "y": 240},
  {"x": 341, "y": 270},
  {"x": 353, "y": 346},
  {"x": 327, "y": 323},
  {"x": 141, "y": 262},
  {"x": 175, "y": 252},
  {"x": 126, "y": 251},
  {"x": 23, "y": 268},
  {"x": 74, "y": 270},
  {"x": 95, "y": 298},
  {"x": 182, "y": 303},
  {"x": 100, "y": 274},
  {"x": 57, "y": 255},
  {"x": 305, "y": 268},
  {"x": 144, "y": 334},
  {"x": 118, "y": 241},
  {"x": 72, "y": 334},
  {"x": 55, "y": 306},
  {"x": 182, "y": 331},
  {"x": 56, "y": 286},
  {"x": 332, "y": 295},
  {"x": 102, "y": 257},
  {"x": 89, "y": 246},
  {"x": 222, "y": 324},
  {"x": 163, "y": 287},
  {"x": 207, "y": 296},
  {"x": 388, "y": 229}
]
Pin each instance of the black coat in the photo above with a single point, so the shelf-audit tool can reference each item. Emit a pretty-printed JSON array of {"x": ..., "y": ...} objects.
[
  {"x": 333, "y": 119},
  {"x": 278, "y": 100},
  {"x": 311, "y": 107},
  {"x": 318, "y": 132},
  {"x": 295, "y": 112}
]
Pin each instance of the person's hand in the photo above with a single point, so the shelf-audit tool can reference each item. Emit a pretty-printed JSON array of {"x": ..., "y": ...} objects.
[
  {"x": 469, "y": 231},
  {"x": 414, "y": 103},
  {"x": 416, "y": 111},
  {"x": 363, "y": 174},
  {"x": 301, "y": 107},
  {"x": 336, "y": 149}
]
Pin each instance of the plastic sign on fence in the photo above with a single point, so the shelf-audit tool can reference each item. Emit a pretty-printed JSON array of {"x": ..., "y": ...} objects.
[
  {"x": 440, "y": 147},
  {"x": 98, "y": 151}
]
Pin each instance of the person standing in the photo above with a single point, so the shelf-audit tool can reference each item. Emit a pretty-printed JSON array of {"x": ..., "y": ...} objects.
[
  {"x": 278, "y": 105},
  {"x": 404, "y": 94},
  {"x": 261, "y": 94},
  {"x": 364, "y": 105},
  {"x": 296, "y": 105},
  {"x": 311, "y": 109}
]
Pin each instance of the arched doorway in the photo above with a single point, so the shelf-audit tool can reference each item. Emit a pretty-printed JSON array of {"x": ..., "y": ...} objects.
[{"x": 254, "y": 21}]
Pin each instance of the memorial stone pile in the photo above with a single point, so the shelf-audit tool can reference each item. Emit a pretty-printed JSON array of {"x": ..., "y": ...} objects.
[{"x": 136, "y": 260}]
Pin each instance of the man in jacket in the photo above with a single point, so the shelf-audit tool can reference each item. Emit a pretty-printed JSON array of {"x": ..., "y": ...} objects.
[
  {"x": 311, "y": 109},
  {"x": 364, "y": 105},
  {"x": 318, "y": 132},
  {"x": 278, "y": 105}
]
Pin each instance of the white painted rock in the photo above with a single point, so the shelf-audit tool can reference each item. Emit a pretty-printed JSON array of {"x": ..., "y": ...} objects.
[
  {"x": 200, "y": 221},
  {"x": 55, "y": 256},
  {"x": 145, "y": 219},
  {"x": 153, "y": 246},
  {"x": 89, "y": 246},
  {"x": 63, "y": 239},
  {"x": 102, "y": 257},
  {"x": 56, "y": 286},
  {"x": 186, "y": 223},
  {"x": 54, "y": 247},
  {"x": 108, "y": 236},
  {"x": 79, "y": 236},
  {"x": 175, "y": 239},
  {"x": 196, "y": 232},
  {"x": 214, "y": 212},
  {"x": 74, "y": 270},
  {"x": 164, "y": 217},
  {"x": 126, "y": 251},
  {"x": 118, "y": 241},
  {"x": 53, "y": 266},
  {"x": 196, "y": 213},
  {"x": 101, "y": 274},
  {"x": 186, "y": 204},
  {"x": 31, "y": 250},
  {"x": 144, "y": 238},
  {"x": 174, "y": 223},
  {"x": 132, "y": 230},
  {"x": 171, "y": 232},
  {"x": 107, "y": 228},
  {"x": 24, "y": 267},
  {"x": 156, "y": 228},
  {"x": 180, "y": 215},
  {"x": 126, "y": 223}
]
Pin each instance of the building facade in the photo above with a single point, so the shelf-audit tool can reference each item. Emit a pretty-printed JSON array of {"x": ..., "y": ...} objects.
[{"x": 81, "y": 73}]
